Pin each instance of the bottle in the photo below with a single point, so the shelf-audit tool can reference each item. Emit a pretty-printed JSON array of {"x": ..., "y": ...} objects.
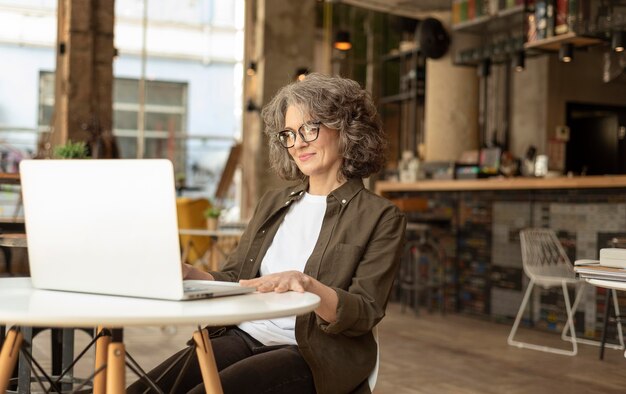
[{"x": 408, "y": 167}]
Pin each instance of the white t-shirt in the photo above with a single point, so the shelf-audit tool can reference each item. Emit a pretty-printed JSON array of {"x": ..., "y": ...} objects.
[{"x": 292, "y": 245}]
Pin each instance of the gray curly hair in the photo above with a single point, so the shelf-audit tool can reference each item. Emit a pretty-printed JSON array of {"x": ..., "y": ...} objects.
[{"x": 338, "y": 103}]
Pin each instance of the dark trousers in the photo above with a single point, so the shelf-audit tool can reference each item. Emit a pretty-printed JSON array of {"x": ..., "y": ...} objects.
[{"x": 245, "y": 366}]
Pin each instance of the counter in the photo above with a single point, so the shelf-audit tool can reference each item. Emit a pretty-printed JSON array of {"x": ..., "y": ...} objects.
[
  {"x": 477, "y": 224},
  {"x": 586, "y": 182}
]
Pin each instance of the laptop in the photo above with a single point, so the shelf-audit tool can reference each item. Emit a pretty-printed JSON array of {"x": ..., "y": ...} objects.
[{"x": 107, "y": 227}]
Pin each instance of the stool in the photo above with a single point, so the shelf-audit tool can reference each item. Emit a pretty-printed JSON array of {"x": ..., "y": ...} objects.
[
  {"x": 8, "y": 241},
  {"x": 421, "y": 273}
]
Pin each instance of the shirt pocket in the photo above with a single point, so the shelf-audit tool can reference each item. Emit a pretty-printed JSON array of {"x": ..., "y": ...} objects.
[{"x": 339, "y": 267}]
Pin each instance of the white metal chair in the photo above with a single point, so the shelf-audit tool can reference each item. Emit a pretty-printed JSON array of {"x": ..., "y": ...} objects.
[
  {"x": 547, "y": 265},
  {"x": 371, "y": 380}
]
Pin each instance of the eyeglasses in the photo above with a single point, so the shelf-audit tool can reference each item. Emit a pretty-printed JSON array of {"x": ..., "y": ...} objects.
[{"x": 308, "y": 132}]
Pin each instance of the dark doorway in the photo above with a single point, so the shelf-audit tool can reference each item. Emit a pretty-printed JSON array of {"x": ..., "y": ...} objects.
[{"x": 597, "y": 143}]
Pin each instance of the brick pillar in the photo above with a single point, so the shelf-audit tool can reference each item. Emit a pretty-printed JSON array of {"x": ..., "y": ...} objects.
[
  {"x": 84, "y": 75},
  {"x": 284, "y": 35}
]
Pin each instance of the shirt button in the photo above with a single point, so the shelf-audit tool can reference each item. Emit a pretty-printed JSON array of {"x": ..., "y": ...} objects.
[{"x": 343, "y": 201}]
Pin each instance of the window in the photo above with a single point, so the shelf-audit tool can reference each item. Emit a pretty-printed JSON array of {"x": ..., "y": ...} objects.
[{"x": 165, "y": 117}]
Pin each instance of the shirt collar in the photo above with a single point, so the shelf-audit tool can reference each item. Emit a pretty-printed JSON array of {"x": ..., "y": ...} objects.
[{"x": 343, "y": 193}]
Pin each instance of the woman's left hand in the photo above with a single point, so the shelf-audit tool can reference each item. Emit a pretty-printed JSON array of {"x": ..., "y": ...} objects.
[{"x": 280, "y": 282}]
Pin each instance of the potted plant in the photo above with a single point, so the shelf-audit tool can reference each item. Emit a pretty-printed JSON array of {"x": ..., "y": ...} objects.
[
  {"x": 212, "y": 214},
  {"x": 71, "y": 150}
]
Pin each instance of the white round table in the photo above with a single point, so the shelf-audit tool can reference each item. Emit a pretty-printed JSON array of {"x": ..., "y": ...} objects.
[
  {"x": 21, "y": 305},
  {"x": 608, "y": 284}
]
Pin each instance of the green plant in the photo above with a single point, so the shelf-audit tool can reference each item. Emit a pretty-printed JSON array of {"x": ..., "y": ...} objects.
[
  {"x": 71, "y": 150},
  {"x": 212, "y": 212}
]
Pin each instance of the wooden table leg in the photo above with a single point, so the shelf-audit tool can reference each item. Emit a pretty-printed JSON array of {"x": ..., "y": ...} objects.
[
  {"x": 208, "y": 367},
  {"x": 8, "y": 357},
  {"x": 102, "y": 346},
  {"x": 116, "y": 369}
]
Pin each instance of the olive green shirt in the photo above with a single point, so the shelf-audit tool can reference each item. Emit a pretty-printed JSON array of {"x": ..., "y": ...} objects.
[{"x": 357, "y": 254}]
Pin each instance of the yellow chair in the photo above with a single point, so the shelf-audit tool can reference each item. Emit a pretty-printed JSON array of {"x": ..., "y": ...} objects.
[{"x": 191, "y": 216}]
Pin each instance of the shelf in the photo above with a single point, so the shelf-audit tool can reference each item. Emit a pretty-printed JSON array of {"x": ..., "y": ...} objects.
[
  {"x": 490, "y": 23},
  {"x": 554, "y": 43},
  {"x": 412, "y": 94},
  {"x": 9, "y": 178},
  {"x": 397, "y": 54}
]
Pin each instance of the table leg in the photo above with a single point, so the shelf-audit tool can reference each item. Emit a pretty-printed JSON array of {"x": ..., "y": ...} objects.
[
  {"x": 24, "y": 368},
  {"x": 607, "y": 309},
  {"x": 116, "y": 369},
  {"x": 8, "y": 357},
  {"x": 102, "y": 345},
  {"x": 208, "y": 367},
  {"x": 67, "y": 356}
]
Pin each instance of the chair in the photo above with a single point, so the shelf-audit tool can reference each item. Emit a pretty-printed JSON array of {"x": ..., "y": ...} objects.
[
  {"x": 546, "y": 264},
  {"x": 371, "y": 380},
  {"x": 421, "y": 274},
  {"x": 191, "y": 216}
]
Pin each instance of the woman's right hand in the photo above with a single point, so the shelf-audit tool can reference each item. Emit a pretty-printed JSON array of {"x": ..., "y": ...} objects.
[{"x": 190, "y": 272}]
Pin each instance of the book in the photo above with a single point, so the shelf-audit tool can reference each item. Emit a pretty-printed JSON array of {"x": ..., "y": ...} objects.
[
  {"x": 471, "y": 9},
  {"x": 550, "y": 11},
  {"x": 561, "y": 26},
  {"x": 596, "y": 271},
  {"x": 541, "y": 20}
]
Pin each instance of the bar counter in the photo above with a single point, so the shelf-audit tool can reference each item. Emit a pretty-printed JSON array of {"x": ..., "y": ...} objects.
[
  {"x": 477, "y": 223},
  {"x": 497, "y": 183}
]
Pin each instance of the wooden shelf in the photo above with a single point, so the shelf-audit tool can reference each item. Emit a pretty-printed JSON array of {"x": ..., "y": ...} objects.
[
  {"x": 554, "y": 43},
  {"x": 586, "y": 182}
]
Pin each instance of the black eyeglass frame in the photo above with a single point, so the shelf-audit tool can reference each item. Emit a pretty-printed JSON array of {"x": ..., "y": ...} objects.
[{"x": 292, "y": 134}]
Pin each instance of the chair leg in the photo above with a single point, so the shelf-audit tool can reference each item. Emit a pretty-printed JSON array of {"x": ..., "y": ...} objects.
[
  {"x": 579, "y": 292},
  {"x": 520, "y": 313},
  {"x": 592, "y": 342},
  {"x": 570, "y": 322}
]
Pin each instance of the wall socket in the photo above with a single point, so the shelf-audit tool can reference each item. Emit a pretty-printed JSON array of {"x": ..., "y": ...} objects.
[{"x": 561, "y": 133}]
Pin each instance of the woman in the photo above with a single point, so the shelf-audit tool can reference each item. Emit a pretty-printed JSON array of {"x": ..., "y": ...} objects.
[{"x": 327, "y": 235}]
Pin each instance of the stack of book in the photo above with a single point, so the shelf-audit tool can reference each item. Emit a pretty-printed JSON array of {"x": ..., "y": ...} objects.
[{"x": 611, "y": 266}]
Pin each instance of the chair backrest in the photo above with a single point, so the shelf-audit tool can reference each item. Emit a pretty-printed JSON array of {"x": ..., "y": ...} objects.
[
  {"x": 543, "y": 256},
  {"x": 371, "y": 380},
  {"x": 191, "y": 216}
]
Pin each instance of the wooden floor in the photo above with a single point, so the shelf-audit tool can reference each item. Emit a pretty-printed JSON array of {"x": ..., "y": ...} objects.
[{"x": 431, "y": 353}]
